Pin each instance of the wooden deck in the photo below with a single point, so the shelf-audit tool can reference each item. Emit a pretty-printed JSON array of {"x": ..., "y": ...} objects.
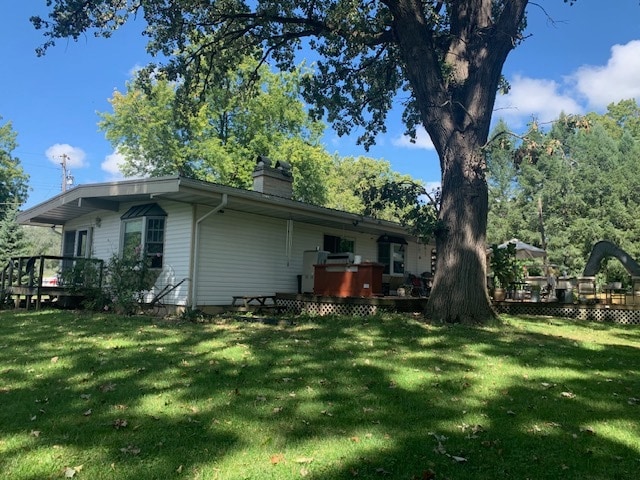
[
  {"x": 311, "y": 304},
  {"x": 23, "y": 280}
]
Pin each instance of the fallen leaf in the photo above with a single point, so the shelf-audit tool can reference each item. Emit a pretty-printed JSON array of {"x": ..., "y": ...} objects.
[
  {"x": 131, "y": 450},
  {"x": 70, "y": 472},
  {"x": 277, "y": 458},
  {"x": 87, "y": 413},
  {"x": 107, "y": 387},
  {"x": 277, "y": 409},
  {"x": 54, "y": 360},
  {"x": 381, "y": 471},
  {"x": 568, "y": 395},
  {"x": 179, "y": 469},
  {"x": 355, "y": 439},
  {"x": 304, "y": 472},
  {"x": 119, "y": 423},
  {"x": 304, "y": 460},
  {"x": 458, "y": 459},
  {"x": 35, "y": 433}
]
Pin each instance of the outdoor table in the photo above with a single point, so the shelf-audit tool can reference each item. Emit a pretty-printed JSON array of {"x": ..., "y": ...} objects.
[{"x": 259, "y": 303}]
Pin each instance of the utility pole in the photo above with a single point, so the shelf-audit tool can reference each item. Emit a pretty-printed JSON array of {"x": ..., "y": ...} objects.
[{"x": 67, "y": 178}]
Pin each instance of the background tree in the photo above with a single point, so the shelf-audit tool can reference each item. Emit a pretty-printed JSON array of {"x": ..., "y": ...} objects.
[
  {"x": 504, "y": 222},
  {"x": 249, "y": 112},
  {"x": 352, "y": 177},
  {"x": 446, "y": 56},
  {"x": 12, "y": 241},
  {"x": 13, "y": 192},
  {"x": 42, "y": 240},
  {"x": 13, "y": 180},
  {"x": 583, "y": 171}
]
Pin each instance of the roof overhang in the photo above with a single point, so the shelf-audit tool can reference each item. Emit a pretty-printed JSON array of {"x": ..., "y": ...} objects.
[{"x": 94, "y": 198}]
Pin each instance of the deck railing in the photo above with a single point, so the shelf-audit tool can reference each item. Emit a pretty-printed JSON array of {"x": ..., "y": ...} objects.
[{"x": 47, "y": 275}]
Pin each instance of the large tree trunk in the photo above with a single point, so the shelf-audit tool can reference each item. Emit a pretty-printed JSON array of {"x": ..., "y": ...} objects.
[
  {"x": 459, "y": 291},
  {"x": 455, "y": 106}
]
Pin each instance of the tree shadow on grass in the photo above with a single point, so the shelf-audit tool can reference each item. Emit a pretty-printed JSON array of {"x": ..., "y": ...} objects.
[{"x": 327, "y": 399}]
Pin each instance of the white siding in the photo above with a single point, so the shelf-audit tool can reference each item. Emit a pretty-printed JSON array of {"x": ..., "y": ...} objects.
[
  {"x": 177, "y": 244},
  {"x": 244, "y": 254},
  {"x": 418, "y": 258},
  {"x": 177, "y": 252},
  {"x": 240, "y": 253}
]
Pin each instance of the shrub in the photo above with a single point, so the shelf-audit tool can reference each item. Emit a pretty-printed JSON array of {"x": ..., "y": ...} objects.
[{"x": 128, "y": 279}]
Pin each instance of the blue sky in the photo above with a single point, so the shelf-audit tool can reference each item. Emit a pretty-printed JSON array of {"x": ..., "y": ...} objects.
[{"x": 586, "y": 58}]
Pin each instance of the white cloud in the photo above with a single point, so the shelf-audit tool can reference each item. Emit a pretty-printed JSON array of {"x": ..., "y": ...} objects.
[
  {"x": 422, "y": 141},
  {"x": 531, "y": 98},
  {"x": 618, "y": 80},
  {"x": 74, "y": 156},
  {"x": 111, "y": 165}
]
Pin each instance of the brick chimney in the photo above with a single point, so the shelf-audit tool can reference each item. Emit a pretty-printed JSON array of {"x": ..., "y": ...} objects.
[{"x": 272, "y": 180}]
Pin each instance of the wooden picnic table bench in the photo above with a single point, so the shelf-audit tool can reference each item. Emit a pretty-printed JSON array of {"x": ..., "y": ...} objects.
[{"x": 258, "y": 303}]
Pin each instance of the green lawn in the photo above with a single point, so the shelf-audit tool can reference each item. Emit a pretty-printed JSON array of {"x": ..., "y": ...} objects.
[{"x": 105, "y": 397}]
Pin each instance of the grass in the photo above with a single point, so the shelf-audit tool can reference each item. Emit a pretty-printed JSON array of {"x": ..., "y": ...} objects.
[{"x": 106, "y": 397}]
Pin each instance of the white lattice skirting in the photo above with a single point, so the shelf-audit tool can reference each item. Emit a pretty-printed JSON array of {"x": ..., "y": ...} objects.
[{"x": 597, "y": 313}]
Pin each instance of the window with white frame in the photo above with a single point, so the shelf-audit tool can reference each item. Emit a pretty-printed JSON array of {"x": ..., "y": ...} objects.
[
  {"x": 391, "y": 253},
  {"x": 143, "y": 228},
  {"x": 77, "y": 243}
]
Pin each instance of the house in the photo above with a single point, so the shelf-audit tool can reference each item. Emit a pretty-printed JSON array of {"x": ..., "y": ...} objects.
[{"x": 211, "y": 242}]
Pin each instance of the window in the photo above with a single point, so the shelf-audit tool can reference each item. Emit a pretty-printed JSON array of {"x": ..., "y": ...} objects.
[
  {"x": 77, "y": 243},
  {"x": 391, "y": 252},
  {"x": 82, "y": 243},
  {"x": 334, "y": 244},
  {"x": 143, "y": 233}
]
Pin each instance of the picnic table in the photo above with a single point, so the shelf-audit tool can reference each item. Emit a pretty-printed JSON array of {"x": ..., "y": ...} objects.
[{"x": 259, "y": 303}]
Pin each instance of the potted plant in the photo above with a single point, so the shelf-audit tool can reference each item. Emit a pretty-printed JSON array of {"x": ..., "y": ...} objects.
[{"x": 503, "y": 269}]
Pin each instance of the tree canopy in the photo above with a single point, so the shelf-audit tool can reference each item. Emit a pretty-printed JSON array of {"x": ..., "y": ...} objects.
[
  {"x": 13, "y": 179},
  {"x": 584, "y": 175},
  {"x": 249, "y": 112},
  {"x": 445, "y": 58}
]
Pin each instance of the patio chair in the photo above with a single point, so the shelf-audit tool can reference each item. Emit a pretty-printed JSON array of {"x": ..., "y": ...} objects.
[{"x": 587, "y": 290}]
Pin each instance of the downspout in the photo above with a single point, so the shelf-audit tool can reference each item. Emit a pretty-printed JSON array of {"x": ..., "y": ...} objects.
[{"x": 196, "y": 247}]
